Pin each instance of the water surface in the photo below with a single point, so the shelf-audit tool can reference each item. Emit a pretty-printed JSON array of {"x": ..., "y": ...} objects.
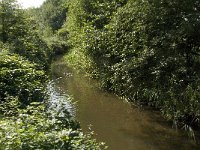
[{"x": 116, "y": 122}]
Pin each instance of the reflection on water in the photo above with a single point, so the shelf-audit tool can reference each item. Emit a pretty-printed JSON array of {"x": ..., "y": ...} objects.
[
  {"x": 120, "y": 125},
  {"x": 58, "y": 100}
]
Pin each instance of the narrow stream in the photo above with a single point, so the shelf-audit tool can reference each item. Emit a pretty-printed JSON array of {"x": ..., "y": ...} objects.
[{"x": 120, "y": 125}]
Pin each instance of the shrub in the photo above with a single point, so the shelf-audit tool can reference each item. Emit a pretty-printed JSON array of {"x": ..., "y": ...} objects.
[
  {"x": 19, "y": 32},
  {"x": 145, "y": 51},
  {"x": 33, "y": 48},
  {"x": 35, "y": 129},
  {"x": 149, "y": 53},
  {"x": 57, "y": 46},
  {"x": 20, "y": 78}
]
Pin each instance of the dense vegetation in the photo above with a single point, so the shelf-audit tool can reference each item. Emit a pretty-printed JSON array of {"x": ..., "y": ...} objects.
[
  {"x": 20, "y": 78},
  {"x": 27, "y": 119},
  {"x": 49, "y": 18},
  {"x": 145, "y": 51}
]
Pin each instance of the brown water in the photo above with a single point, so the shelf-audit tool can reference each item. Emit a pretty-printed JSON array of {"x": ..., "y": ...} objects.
[{"x": 116, "y": 122}]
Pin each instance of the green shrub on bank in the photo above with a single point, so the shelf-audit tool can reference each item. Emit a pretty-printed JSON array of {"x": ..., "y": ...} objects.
[
  {"x": 77, "y": 59},
  {"x": 20, "y": 78},
  {"x": 34, "y": 128},
  {"x": 149, "y": 53},
  {"x": 33, "y": 48},
  {"x": 26, "y": 122},
  {"x": 83, "y": 19},
  {"x": 56, "y": 45},
  {"x": 35, "y": 125}
]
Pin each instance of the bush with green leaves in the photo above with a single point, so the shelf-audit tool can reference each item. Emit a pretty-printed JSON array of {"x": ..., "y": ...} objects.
[
  {"x": 26, "y": 121},
  {"x": 33, "y": 48},
  {"x": 149, "y": 53},
  {"x": 34, "y": 128},
  {"x": 48, "y": 19},
  {"x": 57, "y": 45},
  {"x": 18, "y": 30},
  {"x": 85, "y": 17},
  {"x": 20, "y": 78},
  {"x": 146, "y": 51}
]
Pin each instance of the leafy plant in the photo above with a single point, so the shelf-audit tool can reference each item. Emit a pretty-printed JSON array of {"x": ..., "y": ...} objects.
[
  {"x": 19, "y": 77},
  {"x": 146, "y": 51},
  {"x": 34, "y": 129}
]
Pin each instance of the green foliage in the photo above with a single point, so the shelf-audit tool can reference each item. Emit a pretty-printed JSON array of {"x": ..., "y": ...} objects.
[
  {"x": 50, "y": 16},
  {"x": 20, "y": 78},
  {"x": 77, "y": 59},
  {"x": 153, "y": 57},
  {"x": 35, "y": 129},
  {"x": 33, "y": 48},
  {"x": 27, "y": 122},
  {"x": 57, "y": 45},
  {"x": 18, "y": 31},
  {"x": 85, "y": 17},
  {"x": 146, "y": 51},
  {"x": 11, "y": 22},
  {"x": 9, "y": 106}
]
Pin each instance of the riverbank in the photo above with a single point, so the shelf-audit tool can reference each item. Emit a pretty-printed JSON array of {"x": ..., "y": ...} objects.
[{"x": 36, "y": 117}]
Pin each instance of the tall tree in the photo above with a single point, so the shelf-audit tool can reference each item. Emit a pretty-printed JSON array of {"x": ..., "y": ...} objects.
[
  {"x": 18, "y": 31},
  {"x": 50, "y": 16},
  {"x": 12, "y": 21}
]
